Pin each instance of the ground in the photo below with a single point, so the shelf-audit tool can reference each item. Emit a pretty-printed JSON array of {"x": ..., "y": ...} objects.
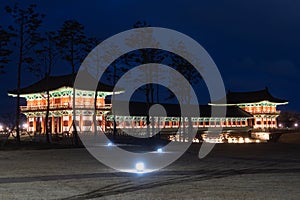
[{"x": 230, "y": 171}]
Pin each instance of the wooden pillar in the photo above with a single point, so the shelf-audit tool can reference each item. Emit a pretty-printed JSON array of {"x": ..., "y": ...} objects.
[
  {"x": 52, "y": 124},
  {"x": 43, "y": 125},
  {"x": 141, "y": 123},
  {"x": 70, "y": 123},
  {"x": 57, "y": 124},
  {"x": 80, "y": 123},
  {"x": 103, "y": 123},
  {"x": 27, "y": 122},
  {"x": 61, "y": 124},
  {"x": 34, "y": 124}
]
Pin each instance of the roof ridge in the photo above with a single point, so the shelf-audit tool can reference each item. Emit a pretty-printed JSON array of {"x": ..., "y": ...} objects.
[{"x": 253, "y": 91}]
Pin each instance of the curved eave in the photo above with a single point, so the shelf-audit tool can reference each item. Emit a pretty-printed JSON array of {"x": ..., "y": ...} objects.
[
  {"x": 26, "y": 94},
  {"x": 240, "y": 104},
  {"x": 61, "y": 89}
]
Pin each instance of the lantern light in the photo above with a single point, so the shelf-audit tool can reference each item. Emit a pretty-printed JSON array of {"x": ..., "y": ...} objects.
[{"x": 140, "y": 166}]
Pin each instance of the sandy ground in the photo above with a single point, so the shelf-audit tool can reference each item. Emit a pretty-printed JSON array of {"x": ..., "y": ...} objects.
[{"x": 230, "y": 171}]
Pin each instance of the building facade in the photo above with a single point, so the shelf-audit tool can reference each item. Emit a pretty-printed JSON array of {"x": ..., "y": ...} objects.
[
  {"x": 261, "y": 104},
  {"x": 61, "y": 116},
  {"x": 245, "y": 111}
]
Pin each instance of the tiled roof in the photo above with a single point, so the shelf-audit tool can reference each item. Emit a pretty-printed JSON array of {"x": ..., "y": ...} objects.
[
  {"x": 173, "y": 110},
  {"x": 250, "y": 97},
  {"x": 55, "y": 82}
]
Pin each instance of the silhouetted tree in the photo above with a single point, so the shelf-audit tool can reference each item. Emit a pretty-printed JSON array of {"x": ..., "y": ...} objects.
[
  {"x": 186, "y": 69},
  {"x": 5, "y": 52},
  {"x": 93, "y": 66},
  {"x": 47, "y": 55},
  {"x": 25, "y": 31},
  {"x": 145, "y": 56},
  {"x": 72, "y": 42},
  {"x": 115, "y": 71},
  {"x": 289, "y": 118}
]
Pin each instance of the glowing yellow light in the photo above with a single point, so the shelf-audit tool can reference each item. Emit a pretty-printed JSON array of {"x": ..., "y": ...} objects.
[
  {"x": 140, "y": 166},
  {"x": 241, "y": 140},
  {"x": 247, "y": 140}
]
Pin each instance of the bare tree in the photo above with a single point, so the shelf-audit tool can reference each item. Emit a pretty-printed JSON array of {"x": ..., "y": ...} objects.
[
  {"x": 25, "y": 31},
  {"x": 5, "y": 52},
  {"x": 115, "y": 71},
  {"x": 72, "y": 42},
  {"x": 289, "y": 118},
  {"x": 182, "y": 65},
  {"x": 46, "y": 57},
  {"x": 144, "y": 56}
]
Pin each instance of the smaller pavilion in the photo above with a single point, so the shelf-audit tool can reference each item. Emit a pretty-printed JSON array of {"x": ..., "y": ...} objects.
[{"x": 261, "y": 104}]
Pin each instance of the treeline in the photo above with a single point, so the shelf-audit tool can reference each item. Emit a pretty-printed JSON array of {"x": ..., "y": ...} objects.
[{"x": 39, "y": 51}]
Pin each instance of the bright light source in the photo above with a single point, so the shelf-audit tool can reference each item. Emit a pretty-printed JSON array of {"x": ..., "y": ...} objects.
[
  {"x": 109, "y": 144},
  {"x": 140, "y": 166},
  {"x": 25, "y": 126},
  {"x": 296, "y": 124},
  {"x": 159, "y": 150},
  {"x": 280, "y": 125},
  {"x": 195, "y": 140},
  {"x": 1, "y": 128},
  {"x": 257, "y": 141},
  {"x": 241, "y": 140}
]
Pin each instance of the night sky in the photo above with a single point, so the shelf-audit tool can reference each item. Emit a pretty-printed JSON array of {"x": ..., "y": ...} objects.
[{"x": 254, "y": 43}]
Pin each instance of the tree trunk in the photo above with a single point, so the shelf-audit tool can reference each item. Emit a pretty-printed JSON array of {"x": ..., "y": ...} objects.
[
  {"x": 113, "y": 97},
  {"x": 47, "y": 117},
  {"x": 75, "y": 134},
  {"x": 95, "y": 113},
  {"x": 19, "y": 81}
]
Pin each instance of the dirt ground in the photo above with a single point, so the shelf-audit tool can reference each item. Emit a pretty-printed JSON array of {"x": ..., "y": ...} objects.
[{"x": 230, "y": 171}]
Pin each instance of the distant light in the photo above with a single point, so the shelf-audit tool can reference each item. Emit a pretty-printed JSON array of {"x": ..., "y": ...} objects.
[
  {"x": 241, "y": 140},
  {"x": 1, "y": 127},
  {"x": 159, "y": 150},
  {"x": 247, "y": 140},
  {"x": 195, "y": 140},
  {"x": 280, "y": 125},
  {"x": 25, "y": 126},
  {"x": 140, "y": 166},
  {"x": 257, "y": 141},
  {"x": 109, "y": 144},
  {"x": 296, "y": 125}
]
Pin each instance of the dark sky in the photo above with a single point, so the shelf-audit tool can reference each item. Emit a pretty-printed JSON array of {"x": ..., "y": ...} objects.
[{"x": 254, "y": 43}]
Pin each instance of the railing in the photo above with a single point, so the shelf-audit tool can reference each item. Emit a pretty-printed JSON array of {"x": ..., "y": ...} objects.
[
  {"x": 264, "y": 112},
  {"x": 62, "y": 107}
]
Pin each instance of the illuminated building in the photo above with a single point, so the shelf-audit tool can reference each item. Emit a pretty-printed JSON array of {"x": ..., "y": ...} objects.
[
  {"x": 61, "y": 112},
  {"x": 261, "y": 104},
  {"x": 244, "y": 110}
]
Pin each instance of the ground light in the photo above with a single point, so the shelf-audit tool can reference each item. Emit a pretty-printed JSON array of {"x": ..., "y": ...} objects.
[
  {"x": 159, "y": 150},
  {"x": 140, "y": 166},
  {"x": 109, "y": 144}
]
